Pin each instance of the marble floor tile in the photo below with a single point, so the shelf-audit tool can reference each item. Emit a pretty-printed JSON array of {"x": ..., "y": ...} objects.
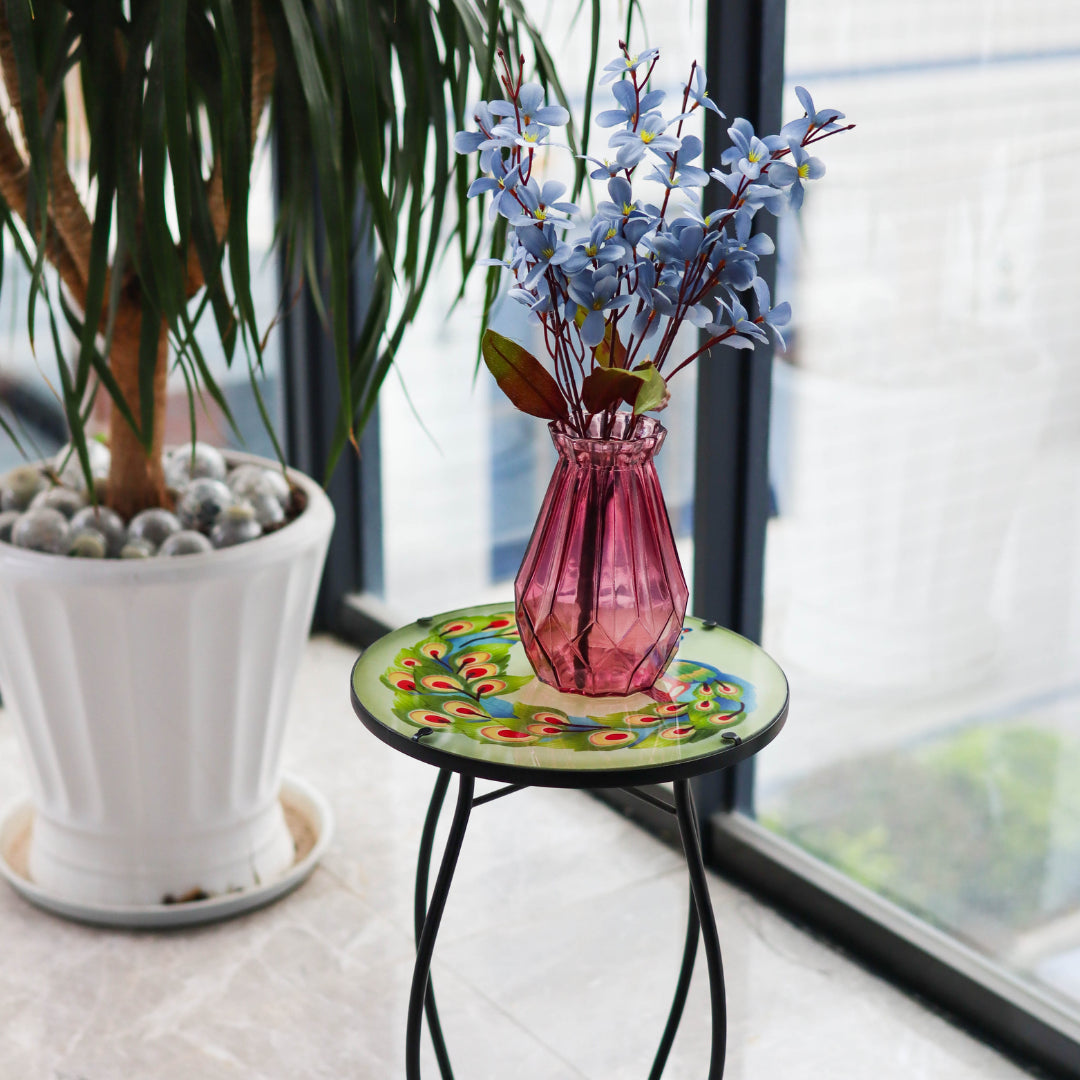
[{"x": 557, "y": 960}]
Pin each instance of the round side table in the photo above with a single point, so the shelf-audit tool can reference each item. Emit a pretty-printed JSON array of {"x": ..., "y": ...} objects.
[{"x": 456, "y": 692}]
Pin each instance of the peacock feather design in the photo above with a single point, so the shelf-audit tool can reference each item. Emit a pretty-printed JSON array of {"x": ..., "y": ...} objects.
[{"x": 457, "y": 679}]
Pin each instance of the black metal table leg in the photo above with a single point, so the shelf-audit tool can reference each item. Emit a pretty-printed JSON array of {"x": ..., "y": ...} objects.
[
  {"x": 421, "y": 981},
  {"x": 688, "y": 831},
  {"x": 420, "y": 908},
  {"x": 682, "y": 988}
]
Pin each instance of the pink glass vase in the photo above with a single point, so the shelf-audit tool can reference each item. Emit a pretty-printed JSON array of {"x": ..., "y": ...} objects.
[{"x": 600, "y": 595}]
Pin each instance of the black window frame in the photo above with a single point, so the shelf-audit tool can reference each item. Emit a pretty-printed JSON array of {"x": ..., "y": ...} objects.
[{"x": 744, "y": 54}]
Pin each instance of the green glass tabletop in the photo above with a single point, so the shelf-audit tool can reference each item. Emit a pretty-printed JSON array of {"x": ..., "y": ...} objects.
[{"x": 456, "y": 690}]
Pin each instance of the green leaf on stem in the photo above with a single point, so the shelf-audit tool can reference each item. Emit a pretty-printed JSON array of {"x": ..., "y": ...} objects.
[
  {"x": 644, "y": 388},
  {"x": 522, "y": 378},
  {"x": 653, "y": 392}
]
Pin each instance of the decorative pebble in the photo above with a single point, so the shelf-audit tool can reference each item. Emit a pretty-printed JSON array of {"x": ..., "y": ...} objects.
[
  {"x": 236, "y": 525},
  {"x": 268, "y": 511},
  {"x": 247, "y": 481},
  {"x": 201, "y": 503},
  {"x": 153, "y": 526},
  {"x": 185, "y": 542},
  {"x": 194, "y": 461},
  {"x": 70, "y": 469},
  {"x": 18, "y": 487},
  {"x": 87, "y": 543},
  {"x": 41, "y": 516},
  {"x": 7, "y": 523},
  {"x": 42, "y": 529},
  {"x": 68, "y": 501},
  {"x": 137, "y": 549},
  {"x": 105, "y": 521}
]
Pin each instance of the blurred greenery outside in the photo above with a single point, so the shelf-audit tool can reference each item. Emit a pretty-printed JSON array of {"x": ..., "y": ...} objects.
[{"x": 976, "y": 831}]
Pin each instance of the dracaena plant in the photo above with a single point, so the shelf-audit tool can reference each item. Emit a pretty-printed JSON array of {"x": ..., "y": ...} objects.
[
  {"x": 135, "y": 243},
  {"x": 612, "y": 298}
]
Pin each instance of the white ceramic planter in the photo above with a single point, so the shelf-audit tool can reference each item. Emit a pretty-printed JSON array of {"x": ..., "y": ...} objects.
[
  {"x": 149, "y": 697},
  {"x": 897, "y": 501}
]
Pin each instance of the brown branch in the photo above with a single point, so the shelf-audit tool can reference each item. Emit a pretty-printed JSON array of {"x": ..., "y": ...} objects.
[
  {"x": 263, "y": 70},
  {"x": 14, "y": 184},
  {"x": 67, "y": 216}
]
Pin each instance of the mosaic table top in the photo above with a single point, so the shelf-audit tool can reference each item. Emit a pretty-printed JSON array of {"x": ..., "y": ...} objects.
[{"x": 457, "y": 691}]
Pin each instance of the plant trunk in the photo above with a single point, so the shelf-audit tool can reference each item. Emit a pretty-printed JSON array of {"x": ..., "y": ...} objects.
[{"x": 136, "y": 478}]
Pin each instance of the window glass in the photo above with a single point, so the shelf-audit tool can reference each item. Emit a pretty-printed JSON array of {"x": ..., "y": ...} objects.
[
  {"x": 463, "y": 473},
  {"x": 923, "y": 564}
]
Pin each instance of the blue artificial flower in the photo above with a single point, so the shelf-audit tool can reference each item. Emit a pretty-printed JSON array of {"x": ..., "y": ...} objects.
[
  {"x": 818, "y": 119},
  {"x": 530, "y": 137},
  {"x": 747, "y": 151},
  {"x": 504, "y": 178},
  {"x": 773, "y": 317},
  {"x": 541, "y": 204},
  {"x": 686, "y": 175},
  {"x": 604, "y": 168},
  {"x": 648, "y": 135},
  {"x": 754, "y": 196},
  {"x": 531, "y": 107},
  {"x": 629, "y": 105},
  {"x": 465, "y": 142},
  {"x": 698, "y": 94},
  {"x": 622, "y": 203},
  {"x": 545, "y": 247},
  {"x": 805, "y": 167},
  {"x": 759, "y": 244},
  {"x": 605, "y": 245},
  {"x": 734, "y": 317},
  {"x": 597, "y": 293},
  {"x": 623, "y": 65}
]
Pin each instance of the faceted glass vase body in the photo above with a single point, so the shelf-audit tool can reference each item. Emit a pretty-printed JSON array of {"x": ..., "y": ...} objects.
[{"x": 600, "y": 595}]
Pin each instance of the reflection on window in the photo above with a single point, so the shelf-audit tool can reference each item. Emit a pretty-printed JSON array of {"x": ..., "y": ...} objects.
[{"x": 923, "y": 569}]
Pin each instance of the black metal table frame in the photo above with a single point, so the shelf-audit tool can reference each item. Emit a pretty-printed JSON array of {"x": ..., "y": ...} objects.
[
  {"x": 428, "y": 913},
  {"x": 427, "y": 916}
]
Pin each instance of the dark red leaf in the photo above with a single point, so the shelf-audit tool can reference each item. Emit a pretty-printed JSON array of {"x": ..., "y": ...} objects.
[{"x": 522, "y": 378}]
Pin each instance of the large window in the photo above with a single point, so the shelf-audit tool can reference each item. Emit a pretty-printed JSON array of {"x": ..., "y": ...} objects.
[{"x": 922, "y": 581}]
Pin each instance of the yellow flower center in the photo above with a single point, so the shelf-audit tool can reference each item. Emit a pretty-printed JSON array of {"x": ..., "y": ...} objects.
[
  {"x": 597, "y": 305},
  {"x": 540, "y": 213},
  {"x": 753, "y": 156},
  {"x": 529, "y": 136},
  {"x": 627, "y": 209},
  {"x": 648, "y": 136},
  {"x": 591, "y": 250},
  {"x": 611, "y": 232},
  {"x": 548, "y": 252},
  {"x": 804, "y": 170}
]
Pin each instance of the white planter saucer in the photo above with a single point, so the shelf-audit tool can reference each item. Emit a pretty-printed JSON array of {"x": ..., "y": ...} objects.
[{"x": 307, "y": 814}]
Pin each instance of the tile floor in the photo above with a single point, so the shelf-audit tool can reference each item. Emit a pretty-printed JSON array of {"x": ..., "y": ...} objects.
[{"x": 557, "y": 958}]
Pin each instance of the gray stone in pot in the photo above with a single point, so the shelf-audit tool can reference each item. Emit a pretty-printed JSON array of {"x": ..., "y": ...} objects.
[
  {"x": 154, "y": 526},
  {"x": 185, "y": 542},
  {"x": 201, "y": 503},
  {"x": 105, "y": 521},
  {"x": 42, "y": 529},
  {"x": 18, "y": 487}
]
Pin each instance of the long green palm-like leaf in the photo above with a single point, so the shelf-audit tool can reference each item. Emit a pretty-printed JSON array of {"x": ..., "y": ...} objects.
[{"x": 364, "y": 96}]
